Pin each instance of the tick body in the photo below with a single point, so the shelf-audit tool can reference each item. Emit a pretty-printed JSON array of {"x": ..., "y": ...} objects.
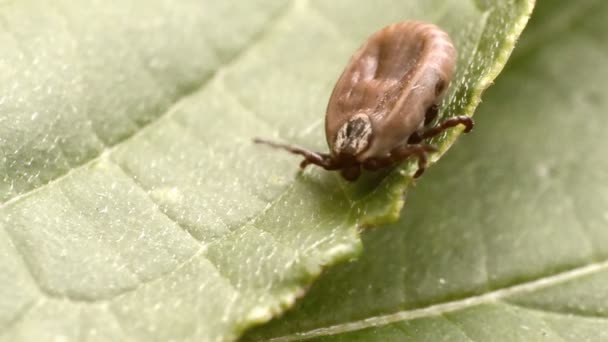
[{"x": 384, "y": 104}]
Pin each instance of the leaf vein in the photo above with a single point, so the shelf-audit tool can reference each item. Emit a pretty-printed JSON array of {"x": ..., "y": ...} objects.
[
  {"x": 22, "y": 313},
  {"x": 131, "y": 176},
  {"x": 553, "y": 311},
  {"x": 171, "y": 109},
  {"x": 456, "y": 305}
]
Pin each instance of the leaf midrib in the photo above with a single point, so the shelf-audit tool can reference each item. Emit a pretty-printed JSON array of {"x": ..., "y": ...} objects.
[{"x": 452, "y": 306}]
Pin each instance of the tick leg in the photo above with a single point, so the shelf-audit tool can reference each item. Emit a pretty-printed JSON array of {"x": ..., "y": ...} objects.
[
  {"x": 323, "y": 160},
  {"x": 446, "y": 124},
  {"x": 415, "y": 138},
  {"x": 375, "y": 164},
  {"x": 421, "y": 151},
  {"x": 431, "y": 114}
]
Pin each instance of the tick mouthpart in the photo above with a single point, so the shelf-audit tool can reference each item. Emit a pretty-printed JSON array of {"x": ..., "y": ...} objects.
[
  {"x": 346, "y": 159},
  {"x": 352, "y": 173},
  {"x": 354, "y": 136}
]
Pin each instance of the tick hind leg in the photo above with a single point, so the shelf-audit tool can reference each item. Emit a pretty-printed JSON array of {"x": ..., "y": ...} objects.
[
  {"x": 323, "y": 160},
  {"x": 402, "y": 153},
  {"x": 447, "y": 124},
  {"x": 431, "y": 114},
  {"x": 420, "y": 151}
]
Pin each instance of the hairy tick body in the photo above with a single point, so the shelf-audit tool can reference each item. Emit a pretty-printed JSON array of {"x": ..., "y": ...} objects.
[{"x": 384, "y": 104}]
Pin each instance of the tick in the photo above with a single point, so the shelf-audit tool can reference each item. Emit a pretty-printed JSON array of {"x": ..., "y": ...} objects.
[{"x": 384, "y": 104}]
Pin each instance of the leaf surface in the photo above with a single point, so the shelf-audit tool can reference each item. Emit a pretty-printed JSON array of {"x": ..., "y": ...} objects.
[
  {"x": 134, "y": 205},
  {"x": 506, "y": 239}
]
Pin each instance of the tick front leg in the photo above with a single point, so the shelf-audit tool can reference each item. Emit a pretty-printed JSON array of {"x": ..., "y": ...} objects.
[
  {"x": 421, "y": 152},
  {"x": 446, "y": 124},
  {"x": 323, "y": 160}
]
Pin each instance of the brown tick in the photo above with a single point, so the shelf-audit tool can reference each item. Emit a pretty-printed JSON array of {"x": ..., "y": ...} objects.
[{"x": 384, "y": 103}]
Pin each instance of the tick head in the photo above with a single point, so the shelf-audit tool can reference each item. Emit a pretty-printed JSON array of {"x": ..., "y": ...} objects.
[{"x": 353, "y": 137}]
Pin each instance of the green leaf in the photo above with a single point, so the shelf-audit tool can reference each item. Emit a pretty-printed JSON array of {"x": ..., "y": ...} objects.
[
  {"x": 506, "y": 239},
  {"x": 134, "y": 205}
]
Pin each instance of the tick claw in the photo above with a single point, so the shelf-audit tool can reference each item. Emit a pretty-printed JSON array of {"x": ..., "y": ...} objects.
[
  {"x": 419, "y": 173},
  {"x": 430, "y": 148},
  {"x": 304, "y": 164}
]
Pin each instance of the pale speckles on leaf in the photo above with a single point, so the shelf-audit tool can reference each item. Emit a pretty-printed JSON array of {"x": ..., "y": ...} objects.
[
  {"x": 168, "y": 194},
  {"x": 110, "y": 126}
]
